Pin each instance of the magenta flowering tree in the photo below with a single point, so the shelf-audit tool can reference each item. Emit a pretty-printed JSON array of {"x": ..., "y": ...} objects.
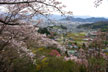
[{"x": 54, "y": 53}]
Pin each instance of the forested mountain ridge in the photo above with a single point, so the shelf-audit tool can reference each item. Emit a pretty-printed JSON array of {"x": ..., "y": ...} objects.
[{"x": 96, "y": 25}]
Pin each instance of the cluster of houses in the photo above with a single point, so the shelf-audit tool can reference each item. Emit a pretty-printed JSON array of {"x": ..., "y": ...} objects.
[{"x": 72, "y": 49}]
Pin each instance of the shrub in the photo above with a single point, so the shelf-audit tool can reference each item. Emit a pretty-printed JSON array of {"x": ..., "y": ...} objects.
[
  {"x": 96, "y": 64},
  {"x": 59, "y": 65},
  {"x": 23, "y": 65}
]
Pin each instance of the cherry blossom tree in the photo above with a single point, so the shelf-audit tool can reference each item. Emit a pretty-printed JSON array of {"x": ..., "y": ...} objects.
[
  {"x": 16, "y": 30},
  {"x": 26, "y": 9}
]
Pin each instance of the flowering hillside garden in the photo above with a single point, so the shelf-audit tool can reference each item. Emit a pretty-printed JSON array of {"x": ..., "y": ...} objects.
[{"x": 33, "y": 38}]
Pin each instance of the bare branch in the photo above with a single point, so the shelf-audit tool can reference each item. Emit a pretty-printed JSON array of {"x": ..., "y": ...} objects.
[
  {"x": 97, "y": 3},
  {"x": 22, "y": 2},
  {"x": 6, "y": 23}
]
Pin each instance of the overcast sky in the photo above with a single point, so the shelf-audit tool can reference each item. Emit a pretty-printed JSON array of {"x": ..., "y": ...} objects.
[{"x": 86, "y": 8}]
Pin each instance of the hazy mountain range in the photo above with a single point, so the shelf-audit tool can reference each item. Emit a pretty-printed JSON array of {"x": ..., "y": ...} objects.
[
  {"x": 77, "y": 18},
  {"x": 68, "y": 18}
]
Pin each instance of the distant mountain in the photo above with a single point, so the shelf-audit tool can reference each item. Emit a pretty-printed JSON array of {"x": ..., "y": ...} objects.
[
  {"x": 64, "y": 18},
  {"x": 91, "y": 19},
  {"x": 97, "y": 25}
]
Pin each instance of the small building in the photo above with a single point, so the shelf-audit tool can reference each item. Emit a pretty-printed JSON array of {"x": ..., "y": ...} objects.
[
  {"x": 105, "y": 50},
  {"x": 88, "y": 39},
  {"x": 72, "y": 52}
]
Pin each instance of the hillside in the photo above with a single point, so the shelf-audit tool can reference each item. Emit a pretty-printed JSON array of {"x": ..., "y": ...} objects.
[{"x": 97, "y": 25}]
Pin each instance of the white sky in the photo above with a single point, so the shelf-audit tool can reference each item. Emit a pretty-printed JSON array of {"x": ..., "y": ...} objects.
[{"x": 86, "y": 8}]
